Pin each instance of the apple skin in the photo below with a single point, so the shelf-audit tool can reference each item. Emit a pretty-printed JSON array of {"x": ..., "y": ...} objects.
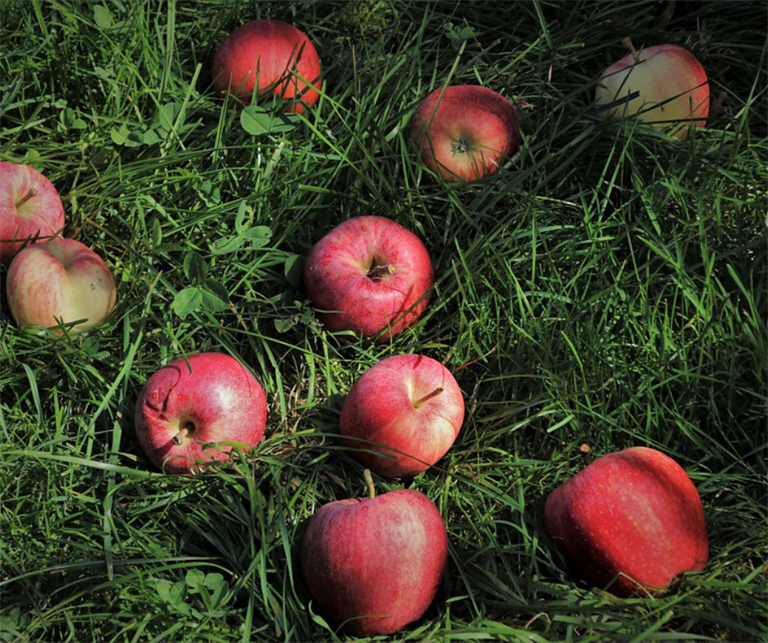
[
  {"x": 630, "y": 522},
  {"x": 219, "y": 397},
  {"x": 465, "y": 132},
  {"x": 379, "y": 557},
  {"x": 60, "y": 280},
  {"x": 668, "y": 76},
  {"x": 25, "y": 215},
  {"x": 385, "y": 406},
  {"x": 268, "y": 50},
  {"x": 336, "y": 277}
]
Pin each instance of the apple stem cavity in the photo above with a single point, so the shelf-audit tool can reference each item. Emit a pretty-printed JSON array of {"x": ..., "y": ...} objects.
[
  {"x": 377, "y": 270},
  {"x": 369, "y": 483},
  {"x": 32, "y": 192},
  {"x": 427, "y": 397},
  {"x": 183, "y": 433}
]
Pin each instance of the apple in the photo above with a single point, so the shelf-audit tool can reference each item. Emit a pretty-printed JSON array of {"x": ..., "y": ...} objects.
[
  {"x": 630, "y": 521},
  {"x": 664, "y": 86},
  {"x": 268, "y": 57},
  {"x": 57, "y": 283},
  {"x": 464, "y": 132},
  {"x": 373, "y": 565},
  {"x": 410, "y": 404},
  {"x": 190, "y": 403},
  {"x": 30, "y": 208},
  {"x": 369, "y": 275}
]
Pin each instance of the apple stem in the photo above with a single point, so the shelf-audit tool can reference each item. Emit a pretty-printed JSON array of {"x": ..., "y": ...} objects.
[
  {"x": 179, "y": 437},
  {"x": 427, "y": 397},
  {"x": 369, "y": 483},
  {"x": 627, "y": 42},
  {"x": 32, "y": 192},
  {"x": 586, "y": 453},
  {"x": 377, "y": 271}
]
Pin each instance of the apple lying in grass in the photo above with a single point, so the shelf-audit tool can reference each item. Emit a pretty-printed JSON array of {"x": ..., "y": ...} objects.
[
  {"x": 408, "y": 403},
  {"x": 268, "y": 57},
  {"x": 30, "y": 208},
  {"x": 373, "y": 565},
  {"x": 664, "y": 86},
  {"x": 369, "y": 275},
  {"x": 56, "y": 283},
  {"x": 464, "y": 132},
  {"x": 189, "y": 404},
  {"x": 630, "y": 522}
]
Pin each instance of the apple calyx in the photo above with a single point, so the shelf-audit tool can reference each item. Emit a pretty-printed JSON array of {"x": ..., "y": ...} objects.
[
  {"x": 377, "y": 270},
  {"x": 186, "y": 429},
  {"x": 32, "y": 192},
  {"x": 369, "y": 484},
  {"x": 427, "y": 397},
  {"x": 461, "y": 145}
]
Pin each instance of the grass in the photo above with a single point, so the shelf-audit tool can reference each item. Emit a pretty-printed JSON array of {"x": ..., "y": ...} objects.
[{"x": 606, "y": 287}]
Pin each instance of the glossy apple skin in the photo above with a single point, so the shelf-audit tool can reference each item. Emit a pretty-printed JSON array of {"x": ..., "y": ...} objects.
[
  {"x": 216, "y": 394},
  {"x": 60, "y": 280},
  {"x": 39, "y": 215},
  {"x": 212, "y": 391},
  {"x": 336, "y": 277},
  {"x": 380, "y": 558},
  {"x": 668, "y": 77},
  {"x": 629, "y": 522},
  {"x": 465, "y": 132},
  {"x": 383, "y": 407},
  {"x": 268, "y": 50}
]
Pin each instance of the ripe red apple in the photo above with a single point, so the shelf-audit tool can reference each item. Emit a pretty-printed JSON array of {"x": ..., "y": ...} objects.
[
  {"x": 369, "y": 275},
  {"x": 409, "y": 403},
  {"x": 664, "y": 86},
  {"x": 373, "y": 565},
  {"x": 30, "y": 207},
  {"x": 60, "y": 281},
  {"x": 630, "y": 522},
  {"x": 268, "y": 57},
  {"x": 464, "y": 132},
  {"x": 190, "y": 403}
]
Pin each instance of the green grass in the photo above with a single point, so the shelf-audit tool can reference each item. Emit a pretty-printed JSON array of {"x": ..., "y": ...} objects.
[{"x": 605, "y": 287}]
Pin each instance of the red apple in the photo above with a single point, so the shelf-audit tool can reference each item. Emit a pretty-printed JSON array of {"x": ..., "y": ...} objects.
[
  {"x": 631, "y": 521},
  {"x": 59, "y": 282},
  {"x": 664, "y": 86},
  {"x": 373, "y": 565},
  {"x": 464, "y": 132},
  {"x": 30, "y": 207},
  {"x": 409, "y": 403},
  {"x": 191, "y": 403},
  {"x": 268, "y": 57},
  {"x": 369, "y": 275}
]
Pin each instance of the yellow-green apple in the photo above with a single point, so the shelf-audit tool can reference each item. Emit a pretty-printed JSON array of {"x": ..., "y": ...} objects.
[
  {"x": 373, "y": 565},
  {"x": 30, "y": 208},
  {"x": 630, "y": 521},
  {"x": 56, "y": 283},
  {"x": 268, "y": 57},
  {"x": 402, "y": 415},
  {"x": 188, "y": 406},
  {"x": 464, "y": 132},
  {"x": 369, "y": 275},
  {"x": 664, "y": 86}
]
